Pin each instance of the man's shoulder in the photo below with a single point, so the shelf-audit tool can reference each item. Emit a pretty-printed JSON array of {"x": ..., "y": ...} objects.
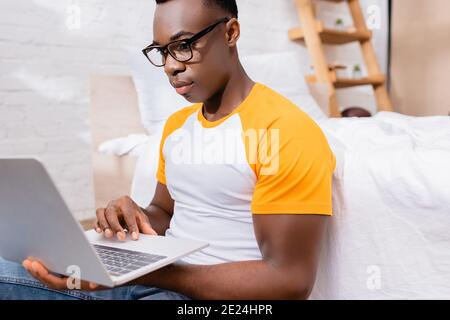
[
  {"x": 177, "y": 119},
  {"x": 272, "y": 108},
  {"x": 183, "y": 112}
]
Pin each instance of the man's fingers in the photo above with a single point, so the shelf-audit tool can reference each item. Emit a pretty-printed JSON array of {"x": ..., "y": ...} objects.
[
  {"x": 29, "y": 268},
  {"x": 27, "y": 265},
  {"x": 103, "y": 223},
  {"x": 41, "y": 273},
  {"x": 108, "y": 220},
  {"x": 97, "y": 227},
  {"x": 130, "y": 220},
  {"x": 111, "y": 214},
  {"x": 91, "y": 286},
  {"x": 144, "y": 224}
]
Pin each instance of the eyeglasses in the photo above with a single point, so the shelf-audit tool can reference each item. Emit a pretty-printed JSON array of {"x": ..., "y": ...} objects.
[{"x": 180, "y": 50}]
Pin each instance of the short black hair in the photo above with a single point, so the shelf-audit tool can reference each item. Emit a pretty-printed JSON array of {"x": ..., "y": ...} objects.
[{"x": 229, "y": 6}]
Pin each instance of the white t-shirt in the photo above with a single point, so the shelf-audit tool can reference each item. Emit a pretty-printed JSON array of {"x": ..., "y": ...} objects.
[{"x": 266, "y": 157}]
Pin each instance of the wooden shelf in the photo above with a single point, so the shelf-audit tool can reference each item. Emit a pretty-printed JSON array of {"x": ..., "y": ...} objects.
[
  {"x": 340, "y": 83},
  {"x": 331, "y": 36},
  {"x": 347, "y": 83},
  {"x": 315, "y": 35}
]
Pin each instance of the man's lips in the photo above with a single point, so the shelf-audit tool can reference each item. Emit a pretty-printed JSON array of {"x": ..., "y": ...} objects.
[{"x": 183, "y": 87}]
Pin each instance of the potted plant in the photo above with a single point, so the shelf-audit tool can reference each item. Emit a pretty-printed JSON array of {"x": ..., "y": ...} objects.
[
  {"x": 339, "y": 24},
  {"x": 357, "y": 71}
]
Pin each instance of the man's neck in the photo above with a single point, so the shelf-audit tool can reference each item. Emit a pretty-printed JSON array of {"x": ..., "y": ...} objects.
[{"x": 229, "y": 97}]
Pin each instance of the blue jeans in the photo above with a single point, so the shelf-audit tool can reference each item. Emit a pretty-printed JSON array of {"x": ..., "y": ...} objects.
[{"x": 17, "y": 284}]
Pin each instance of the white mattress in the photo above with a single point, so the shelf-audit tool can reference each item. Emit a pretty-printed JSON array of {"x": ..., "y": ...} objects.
[{"x": 389, "y": 237}]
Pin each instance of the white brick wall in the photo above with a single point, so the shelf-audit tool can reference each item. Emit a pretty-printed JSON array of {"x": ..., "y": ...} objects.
[
  {"x": 44, "y": 75},
  {"x": 45, "y": 67}
]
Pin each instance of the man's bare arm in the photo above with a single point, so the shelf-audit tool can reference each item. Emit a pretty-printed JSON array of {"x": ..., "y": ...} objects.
[
  {"x": 290, "y": 246},
  {"x": 160, "y": 209}
]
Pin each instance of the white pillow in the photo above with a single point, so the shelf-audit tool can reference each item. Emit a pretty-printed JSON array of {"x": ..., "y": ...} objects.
[
  {"x": 308, "y": 104},
  {"x": 144, "y": 178},
  {"x": 156, "y": 97}
]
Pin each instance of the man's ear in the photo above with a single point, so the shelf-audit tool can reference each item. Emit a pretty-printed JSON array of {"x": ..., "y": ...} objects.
[{"x": 233, "y": 32}]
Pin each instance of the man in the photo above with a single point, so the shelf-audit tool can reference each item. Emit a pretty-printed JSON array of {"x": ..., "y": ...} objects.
[{"x": 261, "y": 197}]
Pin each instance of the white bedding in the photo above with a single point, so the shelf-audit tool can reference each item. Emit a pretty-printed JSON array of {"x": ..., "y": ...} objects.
[{"x": 389, "y": 237}]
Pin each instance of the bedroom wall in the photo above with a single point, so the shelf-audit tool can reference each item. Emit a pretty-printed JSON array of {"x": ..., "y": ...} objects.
[
  {"x": 49, "y": 49},
  {"x": 420, "y": 57}
]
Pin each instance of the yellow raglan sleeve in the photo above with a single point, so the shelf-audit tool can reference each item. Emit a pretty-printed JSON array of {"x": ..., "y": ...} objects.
[
  {"x": 161, "y": 172},
  {"x": 294, "y": 169}
]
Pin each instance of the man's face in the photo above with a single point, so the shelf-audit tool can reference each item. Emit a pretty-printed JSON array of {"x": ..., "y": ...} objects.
[{"x": 208, "y": 70}]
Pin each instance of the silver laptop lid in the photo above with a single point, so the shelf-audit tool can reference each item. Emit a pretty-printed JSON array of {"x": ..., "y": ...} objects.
[{"x": 35, "y": 221}]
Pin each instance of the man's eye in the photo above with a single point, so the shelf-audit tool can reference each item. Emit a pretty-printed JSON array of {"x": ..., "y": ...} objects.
[{"x": 183, "y": 46}]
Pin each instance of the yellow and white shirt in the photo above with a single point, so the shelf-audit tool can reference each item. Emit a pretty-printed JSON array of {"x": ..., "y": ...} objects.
[{"x": 266, "y": 157}]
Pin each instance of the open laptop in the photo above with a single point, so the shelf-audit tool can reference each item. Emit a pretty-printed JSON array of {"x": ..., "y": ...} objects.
[{"x": 35, "y": 222}]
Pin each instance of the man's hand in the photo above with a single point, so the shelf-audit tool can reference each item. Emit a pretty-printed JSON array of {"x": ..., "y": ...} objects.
[
  {"x": 122, "y": 214},
  {"x": 41, "y": 273}
]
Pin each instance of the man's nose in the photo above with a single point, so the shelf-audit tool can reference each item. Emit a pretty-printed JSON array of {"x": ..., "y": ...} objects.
[{"x": 173, "y": 67}]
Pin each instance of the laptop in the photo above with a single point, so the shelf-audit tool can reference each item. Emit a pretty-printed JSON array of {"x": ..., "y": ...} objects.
[{"x": 36, "y": 222}]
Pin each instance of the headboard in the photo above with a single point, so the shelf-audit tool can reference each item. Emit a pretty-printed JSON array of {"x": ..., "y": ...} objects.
[{"x": 113, "y": 113}]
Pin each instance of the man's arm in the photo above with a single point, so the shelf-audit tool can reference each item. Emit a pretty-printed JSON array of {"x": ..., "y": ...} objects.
[
  {"x": 160, "y": 209},
  {"x": 290, "y": 246}
]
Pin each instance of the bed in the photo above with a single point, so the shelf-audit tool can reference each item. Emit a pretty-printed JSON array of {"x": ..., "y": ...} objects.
[{"x": 389, "y": 236}]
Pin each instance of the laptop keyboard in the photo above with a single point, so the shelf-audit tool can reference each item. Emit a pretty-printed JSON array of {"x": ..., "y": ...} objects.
[{"x": 120, "y": 261}]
